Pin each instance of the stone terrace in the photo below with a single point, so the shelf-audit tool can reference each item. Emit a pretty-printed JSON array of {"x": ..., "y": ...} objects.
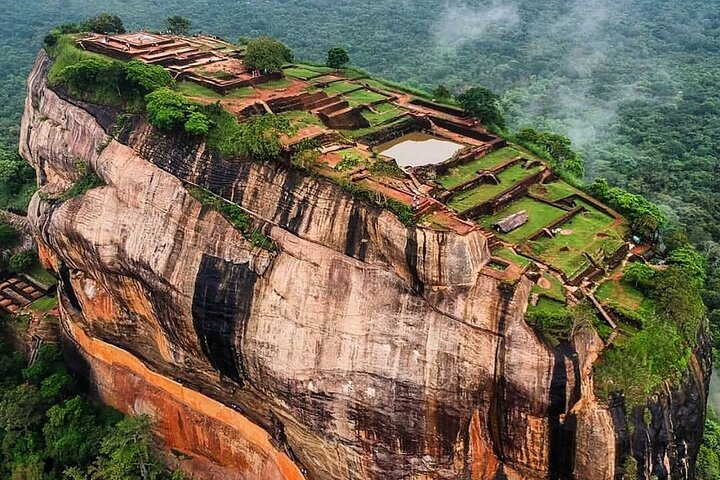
[{"x": 208, "y": 61}]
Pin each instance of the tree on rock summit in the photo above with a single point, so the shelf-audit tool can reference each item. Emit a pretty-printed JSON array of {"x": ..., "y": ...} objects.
[
  {"x": 104, "y": 23},
  {"x": 337, "y": 58},
  {"x": 267, "y": 55},
  {"x": 483, "y": 104},
  {"x": 178, "y": 25}
]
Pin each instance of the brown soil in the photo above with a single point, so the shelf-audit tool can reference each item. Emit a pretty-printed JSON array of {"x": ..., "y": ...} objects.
[{"x": 544, "y": 283}]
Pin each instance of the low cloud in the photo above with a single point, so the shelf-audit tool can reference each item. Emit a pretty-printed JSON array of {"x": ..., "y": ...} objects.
[{"x": 459, "y": 24}]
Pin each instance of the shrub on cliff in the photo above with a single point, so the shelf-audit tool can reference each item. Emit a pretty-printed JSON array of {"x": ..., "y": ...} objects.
[
  {"x": 144, "y": 78},
  {"x": 646, "y": 218},
  {"x": 102, "y": 80},
  {"x": 87, "y": 181},
  {"x": 557, "y": 148},
  {"x": 259, "y": 138},
  {"x": 661, "y": 350},
  {"x": 235, "y": 215},
  {"x": 306, "y": 153},
  {"x": 169, "y": 110},
  {"x": 22, "y": 261}
]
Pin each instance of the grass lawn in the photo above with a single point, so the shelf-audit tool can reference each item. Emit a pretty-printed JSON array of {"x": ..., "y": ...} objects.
[
  {"x": 340, "y": 87},
  {"x": 190, "y": 89},
  {"x": 468, "y": 199},
  {"x": 556, "y": 290},
  {"x": 302, "y": 73},
  {"x": 386, "y": 112},
  {"x": 302, "y": 119},
  {"x": 363, "y": 97},
  {"x": 539, "y": 215},
  {"x": 41, "y": 275},
  {"x": 509, "y": 255},
  {"x": 242, "y": 92},
  {"x": 352, "y": 74},
  {"x": 316, "y": 68},
  {"x": 548, "y": 305},
  {"x": 351, "y": 159},
  {"x": 377, "y": 84},
  {"x": 44, "y": 304},
  {"x": 625, "y": 299},
  {"x": 361, "y": 132},
  {"x": 467, "y": 171},
  {"x": 588, "y": 232},
  {"x": 275, "y": 84},
  {"x": 552, "y": 192}
]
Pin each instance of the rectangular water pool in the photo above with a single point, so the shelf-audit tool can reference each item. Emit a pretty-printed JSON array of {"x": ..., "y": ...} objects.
[{"x": 417, "y": 149}]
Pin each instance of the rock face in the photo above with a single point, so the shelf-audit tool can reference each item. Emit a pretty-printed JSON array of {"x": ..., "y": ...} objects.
[{"x": 361, "y": 349}]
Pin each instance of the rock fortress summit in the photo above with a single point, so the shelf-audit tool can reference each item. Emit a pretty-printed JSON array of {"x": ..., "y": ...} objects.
[{"x": 393, "y": 292}]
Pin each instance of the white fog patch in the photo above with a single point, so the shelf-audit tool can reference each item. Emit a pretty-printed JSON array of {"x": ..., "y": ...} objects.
[
  {"x": 590, "y": 40},
  {"x": 459, "y": 24}
]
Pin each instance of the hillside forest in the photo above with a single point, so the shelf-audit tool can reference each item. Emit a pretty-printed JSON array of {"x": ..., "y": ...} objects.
[{"x": 633, "y": 84}]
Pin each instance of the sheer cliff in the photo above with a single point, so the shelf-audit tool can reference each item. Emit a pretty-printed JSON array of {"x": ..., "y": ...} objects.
[{"x": 357, "y": 349}]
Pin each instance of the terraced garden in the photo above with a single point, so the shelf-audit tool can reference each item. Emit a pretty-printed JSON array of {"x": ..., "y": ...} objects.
[
  {"x": 467, "y": 171},
  {"x": 384, "y": 112},
  {"x": 590, "y": 232},
  {"x": 363, "y": 97},
  {"x": 340, "y": 87},
  {"x": 621, "y": 297},
  {"x": 468, "y": 199}
]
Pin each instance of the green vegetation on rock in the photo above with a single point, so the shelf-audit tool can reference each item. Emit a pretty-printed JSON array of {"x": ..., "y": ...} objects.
[
  {"x": 671, "y": 319},
  {"x": 234, "y": 214},
  {"x": 87, "y": 181}
]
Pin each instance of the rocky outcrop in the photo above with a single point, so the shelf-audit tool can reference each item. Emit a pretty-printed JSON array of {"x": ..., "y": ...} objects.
[{"x": 360, "y": 349}]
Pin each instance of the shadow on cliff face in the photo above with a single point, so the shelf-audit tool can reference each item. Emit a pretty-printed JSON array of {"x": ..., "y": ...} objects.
[
  {"x": 221, "y": 309},
  {"x": 562, "y": 432}
]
